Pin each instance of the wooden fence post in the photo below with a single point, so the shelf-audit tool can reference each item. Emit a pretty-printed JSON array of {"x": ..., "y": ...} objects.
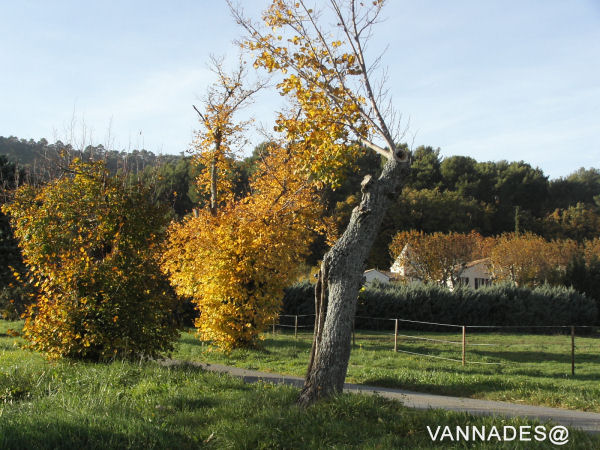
[
  {"x": 464, "y": 344},
  {"x": 395, "y": 335},
  {"x": 296, "y": 327},
  {"x": 274, "y": 326},
  {"x": 572, "y": 350}
]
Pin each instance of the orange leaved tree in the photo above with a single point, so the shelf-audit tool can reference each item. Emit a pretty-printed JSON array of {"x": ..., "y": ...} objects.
[
  {"x": 235, "y": 257},
  {"x": 438, "y": 257},
  {"x": 91, "y": 249},
  {"x": 528, "y": 259}
]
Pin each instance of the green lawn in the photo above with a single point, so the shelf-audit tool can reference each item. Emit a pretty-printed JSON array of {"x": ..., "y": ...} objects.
[
  {"x": 534, "y": 369},
  {"x": 119, "y": 405}
]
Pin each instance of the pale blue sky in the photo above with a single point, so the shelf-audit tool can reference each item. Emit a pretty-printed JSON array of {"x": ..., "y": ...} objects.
[{"x": 516, "y": 80}]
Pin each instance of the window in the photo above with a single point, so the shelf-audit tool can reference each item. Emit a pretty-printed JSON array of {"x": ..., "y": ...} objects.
[{"x": 481, "y": 282}]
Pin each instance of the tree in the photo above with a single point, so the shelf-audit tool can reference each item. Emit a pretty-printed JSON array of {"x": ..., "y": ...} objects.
[
  {"x": 584, "y": 276},
  {"x": 579, "y": 187},
  {"x": 576, "y": 222},
  {"x": 591, "y": 249},
  {"x": 459, "y": 174},
  {"x": 425, "y": 168},
  {"x": 215, "y": 143},
  {"x": 234, "y": 257},
  {"x": 234, "y": 264},
  {"x": 170, "y": 182},
  {"x": 528, "y": 259},
  {"x": 91, "y": 250},
  {"x": 438, "y": 257},
  {"x": 333, "y": 102}
]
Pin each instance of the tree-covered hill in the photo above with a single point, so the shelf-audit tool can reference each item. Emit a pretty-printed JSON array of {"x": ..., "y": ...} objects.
[{"x": 456, "y": 193}]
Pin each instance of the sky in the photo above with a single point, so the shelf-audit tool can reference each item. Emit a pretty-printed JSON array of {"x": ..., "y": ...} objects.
[{"x": 514, "y": 80}]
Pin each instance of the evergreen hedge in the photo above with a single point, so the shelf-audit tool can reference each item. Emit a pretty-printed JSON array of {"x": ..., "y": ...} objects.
[{"x": 496, "y": 305}]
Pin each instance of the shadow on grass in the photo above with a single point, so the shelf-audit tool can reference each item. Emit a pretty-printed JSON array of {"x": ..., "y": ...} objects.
[
  {"x": 278, "y": 344},
  {"x": 539, "y": 373},
  {"x": 190, "y": 340},
  {"x": 535, "y": 357},
  {"x": 66, "y": 435},
  {"x": 514, "y": 367},
  {"x": 460, "y": 390},
  {"x": 500, "y": 355},
  {"x": 184, "y": 403}
]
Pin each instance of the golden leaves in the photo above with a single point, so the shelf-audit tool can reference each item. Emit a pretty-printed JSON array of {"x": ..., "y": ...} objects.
[
  {"x": 323, "y": 109},
  {"x": 235, "y": 264},
  {"x": 90, "y": 255}
]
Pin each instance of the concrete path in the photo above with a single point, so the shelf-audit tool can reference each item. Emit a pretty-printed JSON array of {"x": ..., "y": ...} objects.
[{"x": 582, "y": 420}]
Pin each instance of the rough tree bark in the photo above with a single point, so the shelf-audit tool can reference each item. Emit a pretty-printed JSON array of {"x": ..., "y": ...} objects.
[
  {"x": 340, "y": 279},
  {"x": 328, "y": 61}
]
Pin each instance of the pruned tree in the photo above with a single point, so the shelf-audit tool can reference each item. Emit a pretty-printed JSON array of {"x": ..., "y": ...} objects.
[
  {"x": 337, "y": 110},
  {"x": 528, "y": 259},
  {"x": 438, "y": 257}
]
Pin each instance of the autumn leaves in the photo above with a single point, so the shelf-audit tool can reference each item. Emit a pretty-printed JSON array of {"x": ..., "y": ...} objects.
[{"x": 91, "y": 248}]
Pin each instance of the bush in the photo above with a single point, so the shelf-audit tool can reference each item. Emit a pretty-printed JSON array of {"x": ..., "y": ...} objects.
[
  {"x": 91, "y": 248},
  {"x": 501, "y": 304}
]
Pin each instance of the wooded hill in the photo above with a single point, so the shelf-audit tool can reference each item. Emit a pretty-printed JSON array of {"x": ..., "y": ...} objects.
[{"x": 456, "y": 193}]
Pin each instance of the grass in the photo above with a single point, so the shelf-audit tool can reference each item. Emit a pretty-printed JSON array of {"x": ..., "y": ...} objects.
[
  {"x": 118, "y": 405},
  {"x": 533, "y": 369}
]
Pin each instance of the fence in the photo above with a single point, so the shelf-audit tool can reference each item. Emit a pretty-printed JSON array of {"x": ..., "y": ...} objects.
[{"x": 462, "y": 331}]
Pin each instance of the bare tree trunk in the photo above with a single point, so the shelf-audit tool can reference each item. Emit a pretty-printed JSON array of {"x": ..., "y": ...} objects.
[
  {"x": 213, "y": 186},
  {"x": 214, "y": 196},
  {"x": 340, "y": 279}
]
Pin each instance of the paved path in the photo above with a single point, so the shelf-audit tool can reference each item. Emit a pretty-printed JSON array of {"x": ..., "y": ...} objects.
[{"x": 582, "y": 420}]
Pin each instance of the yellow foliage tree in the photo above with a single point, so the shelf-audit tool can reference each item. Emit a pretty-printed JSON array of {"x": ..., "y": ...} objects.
[
  {"x": 216, "y": 142},
  {"x": 91, "y": 250},
  {"x": 234, "y": 258},
  {"x": 335, "y": 112},
  {"x": 591, "y": 250},
  {"x": 235, "y": 264}
]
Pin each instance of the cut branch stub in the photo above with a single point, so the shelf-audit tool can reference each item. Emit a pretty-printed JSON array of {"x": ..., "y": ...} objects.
[
  {"x": 401, "y": 155},
  {"x": 366, "y": 182}
]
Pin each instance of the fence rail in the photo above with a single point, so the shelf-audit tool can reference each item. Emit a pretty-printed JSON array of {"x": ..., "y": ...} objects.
[{"x": 462, "y": 342}]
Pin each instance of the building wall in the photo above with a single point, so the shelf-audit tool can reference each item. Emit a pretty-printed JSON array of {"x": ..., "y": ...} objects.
[
  {"x": 372, "y": 275},
  {"x": 476, "y": 276}
]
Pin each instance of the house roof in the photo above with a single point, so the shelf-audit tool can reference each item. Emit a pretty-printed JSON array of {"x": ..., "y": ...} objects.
[
  {"x": 391, "y": 275},
  {"x": 477, "y": 261},
  {"x": 387, "y": 274}
]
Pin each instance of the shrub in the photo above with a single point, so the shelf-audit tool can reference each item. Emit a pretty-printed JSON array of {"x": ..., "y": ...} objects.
[
  {"x": 90, "y": 247},
  {"x": 501, "y": 304}
]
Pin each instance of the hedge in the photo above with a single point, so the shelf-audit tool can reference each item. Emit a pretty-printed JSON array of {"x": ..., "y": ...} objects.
[{"x": 497, "y": 305}]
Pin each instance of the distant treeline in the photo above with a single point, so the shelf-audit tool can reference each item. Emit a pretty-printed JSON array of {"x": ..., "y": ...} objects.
[
  {"x": 455, "y": 193},
  {"x": 460, "y": 194}
]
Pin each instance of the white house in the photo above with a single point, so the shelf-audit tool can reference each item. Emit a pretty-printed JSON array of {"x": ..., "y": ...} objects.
[
  {"x": 473, "y": 274},
  {"x": 401, "y": 268},
  {"x": 476, "y": 274},
  {"x": 374, "y": 274}
]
